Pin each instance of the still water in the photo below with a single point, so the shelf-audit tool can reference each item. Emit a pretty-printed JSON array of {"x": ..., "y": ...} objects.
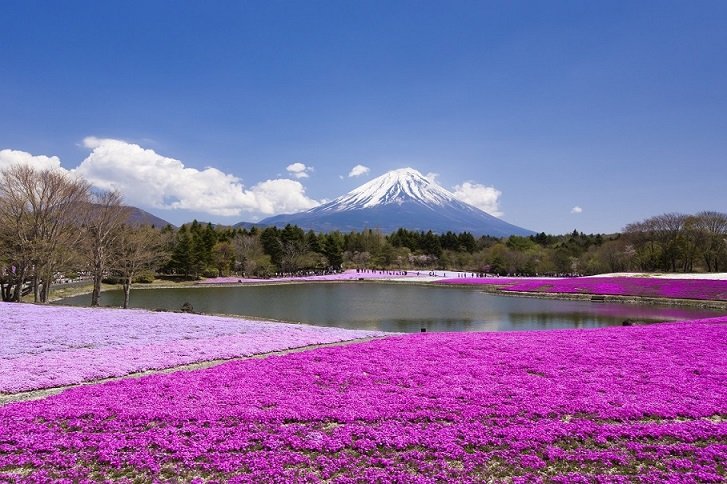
[{"x": 395, "y": 307}]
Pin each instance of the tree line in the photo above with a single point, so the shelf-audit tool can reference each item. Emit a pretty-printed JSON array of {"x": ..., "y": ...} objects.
[
  {"x": 668, "y": 243},
  {"x": 53, "y": 225},
  {"x": 676, "y": 242}
]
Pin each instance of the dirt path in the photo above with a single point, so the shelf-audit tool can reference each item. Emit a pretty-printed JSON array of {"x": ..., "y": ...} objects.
[{"x": 6, "y": 398}]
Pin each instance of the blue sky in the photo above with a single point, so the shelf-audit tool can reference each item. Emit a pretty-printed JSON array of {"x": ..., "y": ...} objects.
[{"x": 197, "y": 109}]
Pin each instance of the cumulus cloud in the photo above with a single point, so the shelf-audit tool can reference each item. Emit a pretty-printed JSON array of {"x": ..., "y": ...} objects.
[
  {"x": 148, "y": 178},
  {"x": 576, "y": 209},
  {"x": 358, "y": 170},
  {"x": 281, "y": 196},
  {"x": 40, "y": 162},
  {"x": 299, "y": 170},
  {"x": 481, "y": 196}
]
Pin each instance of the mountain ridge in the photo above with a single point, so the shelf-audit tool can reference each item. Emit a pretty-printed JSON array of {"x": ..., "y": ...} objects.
[
  {"x": 138, "y": 216},
  {"x": 402, "y": 198}
]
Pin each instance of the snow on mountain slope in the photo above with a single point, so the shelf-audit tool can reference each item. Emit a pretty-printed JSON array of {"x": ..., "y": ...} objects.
[
  {"x": 401, "y": 198},
  {"x": 397, "y": 186}
]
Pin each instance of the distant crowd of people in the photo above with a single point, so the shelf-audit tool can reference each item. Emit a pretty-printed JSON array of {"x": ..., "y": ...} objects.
[
  {"x": 381, "y": 272},
  {"x": 308, "y": 273}
]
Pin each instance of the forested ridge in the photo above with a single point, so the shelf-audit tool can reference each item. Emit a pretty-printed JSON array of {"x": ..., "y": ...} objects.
[{"x": 666, "y": 243}]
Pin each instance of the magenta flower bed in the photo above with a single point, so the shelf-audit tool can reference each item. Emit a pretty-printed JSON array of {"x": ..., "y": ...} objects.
[
  {"x": 49, "y": 346},
  {"x": 714, "y": 290},
  {"x": 611, "y": 404}
]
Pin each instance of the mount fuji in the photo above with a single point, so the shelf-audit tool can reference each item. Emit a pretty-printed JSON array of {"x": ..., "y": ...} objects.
[{"x": 401, "y": 198}]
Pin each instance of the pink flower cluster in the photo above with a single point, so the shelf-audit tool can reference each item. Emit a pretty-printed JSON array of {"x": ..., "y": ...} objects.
[
  {"x": 619, "y": 404},
  {"x": 702, "y": 289},
  {"x": 50, "y": 346},
  {"x": 349, "y": 275}
]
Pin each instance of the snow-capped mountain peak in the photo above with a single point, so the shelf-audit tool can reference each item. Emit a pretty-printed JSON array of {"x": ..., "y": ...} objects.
[
  {"x": 394, "y": 187},
  {"x": 400, "y": 198}
]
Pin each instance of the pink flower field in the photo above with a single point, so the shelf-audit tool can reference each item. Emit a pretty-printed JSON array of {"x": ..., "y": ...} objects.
[
  {"x": 51, "y": 346},
  {"x": 702, "y": 289},
  {"x": 623, "y": 404},
  {"x": 349, "y": 275}
]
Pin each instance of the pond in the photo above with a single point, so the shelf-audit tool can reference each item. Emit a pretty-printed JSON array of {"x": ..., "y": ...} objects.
[{"x": 396, "y": 307}]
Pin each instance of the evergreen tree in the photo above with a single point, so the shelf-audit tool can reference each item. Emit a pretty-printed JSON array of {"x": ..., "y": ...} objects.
[
  {"x": 333, "y": 249},
  {"x": 181, "y": 261},
  {"x": 272, "y": 246}
]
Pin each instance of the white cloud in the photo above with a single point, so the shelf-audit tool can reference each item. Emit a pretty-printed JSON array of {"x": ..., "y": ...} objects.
[
  {"x": 299, "y": 170},
  {"x": 432, "y": 177},
  {"x": 358, "y": 170},
  {"x": 147, "y": 178},
  {"x": 281, "y": 196},
  {"x": 40, "y": 162},
  {"x": 481, "y": 196},
  {"x": 576, "y": 209}
]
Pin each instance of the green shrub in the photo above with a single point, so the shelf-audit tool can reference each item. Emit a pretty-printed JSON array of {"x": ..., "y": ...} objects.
[
  {"x": 210, "y": 272},
  {"x": 144, "y": 277}
]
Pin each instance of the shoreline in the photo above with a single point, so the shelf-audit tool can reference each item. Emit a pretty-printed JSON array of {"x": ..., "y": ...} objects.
[
  {"x": 603, "y": 298},
  {"x": 488, "y": 288}
]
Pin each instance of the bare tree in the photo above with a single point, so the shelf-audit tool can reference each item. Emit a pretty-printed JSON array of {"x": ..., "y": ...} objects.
[
  {"x": 248, "y": 252},
  {"x": 293, "y": 254},
  {"x": 223, "y": 257},
  {"x": 39, "y": 220},
  {"x": 674, "y": 241},
  {"x": 106, "y": 216},
  {"x": 714, "y": 227},
  {"x": 14, "y": 219},
  {"x": 670, "y": 229},
  {"x": 660, "y": 239},
  {"x": 136, "y": 249}
]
